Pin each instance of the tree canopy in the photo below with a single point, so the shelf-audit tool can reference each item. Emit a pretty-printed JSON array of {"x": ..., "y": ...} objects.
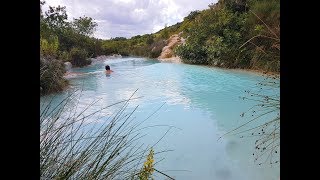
[{"x": 84, "y": 25}]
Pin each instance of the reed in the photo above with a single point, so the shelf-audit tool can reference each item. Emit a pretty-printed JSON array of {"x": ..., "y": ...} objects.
[{"x": 73, "y": 145}]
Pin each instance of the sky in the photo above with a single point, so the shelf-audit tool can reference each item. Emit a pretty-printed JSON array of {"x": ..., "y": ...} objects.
[{"x": 127, "y": 18}]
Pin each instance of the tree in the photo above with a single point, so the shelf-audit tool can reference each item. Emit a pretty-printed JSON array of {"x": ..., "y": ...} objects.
[
  {"x": 56, "y": 17},
  {"x": 84, "y": 25},
  {"x": 236, "y": 5},
  {"x": 78, "y": 57},
  {"x": 119, "y": 39},
  {"x": 149, "y": 40},
  {"x": 192, "y": 15},
  {"x": 165, "y": 32}
]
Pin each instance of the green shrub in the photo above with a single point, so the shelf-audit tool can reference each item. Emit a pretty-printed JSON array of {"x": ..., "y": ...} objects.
[
  {"x": 64, "y": 56},
  {"x": 78, "y": 57},
  {"x": 192, "y": 54},
  {"x": 156, "y": 48},
  {"x": 51, "y": 75},
  {"x": 49, "y": 47}
]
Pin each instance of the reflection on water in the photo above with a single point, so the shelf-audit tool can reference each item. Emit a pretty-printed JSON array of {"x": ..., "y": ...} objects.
[{"x": 202, "y": 103}]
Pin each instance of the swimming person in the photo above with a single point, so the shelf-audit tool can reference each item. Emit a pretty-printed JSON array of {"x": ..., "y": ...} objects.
[{"x": 108, "y": 70}]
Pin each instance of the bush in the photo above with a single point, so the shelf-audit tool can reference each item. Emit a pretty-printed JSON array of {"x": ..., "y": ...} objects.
[
  {"x": 49, "y": 47},
  {"x": 192, "y": 54},
  {"x": 51, "y": 75},
  {"x": 64, "y": 56},
  {"x": 78, "y": 57},
  {"x": 156, "y": 48}
]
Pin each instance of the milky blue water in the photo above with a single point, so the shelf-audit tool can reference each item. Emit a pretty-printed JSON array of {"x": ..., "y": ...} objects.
[{"x": 202, "y": 103}]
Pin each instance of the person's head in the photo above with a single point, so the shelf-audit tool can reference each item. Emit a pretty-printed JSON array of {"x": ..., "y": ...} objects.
[{"x": 107, "y": 67}]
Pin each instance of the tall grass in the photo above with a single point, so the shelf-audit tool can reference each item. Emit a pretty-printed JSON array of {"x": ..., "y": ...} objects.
[
  {"x": 267, "y": 132},
  {"x": 263, "y": 122},
  {"x": 74, "y": 145}
]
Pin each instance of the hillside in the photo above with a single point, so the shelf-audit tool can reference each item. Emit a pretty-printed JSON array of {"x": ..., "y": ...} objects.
[{"x": 231, "y": 33}]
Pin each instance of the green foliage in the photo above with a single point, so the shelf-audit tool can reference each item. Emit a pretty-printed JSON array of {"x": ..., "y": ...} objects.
[
  {"x": 215, "y": 49},
  {"x": 263, "y": 27},
  {"x": 64, "y": 41},
  {"x": 56, "y": 17},
  {"x": 78, "y": 57},
  {"x": 213, "y": 38},
  {"x": 148, "y": 167},
  {"x": 164, "y": 33},
  {"x": 64, "y": 56},
  {"x": 156, "y": 48},
  {"x": 234, "y": 34},
  {"x": 192, "y": 53},
  {"x": 149, "y": 40},
  {"x": 259, "y": 28},
  {"x": 84, "y": 25},
  {"x": 98, "y": 50},
  {"x": 235, "y": 5},
  {"x": 231, "y": 33},
  {"x": 49, "y": 48},
  {"x": 192, "y": 15},
  {"x": 51, "y": 75},
  {"x": 119, "y": 39},
  {"x": 267, "y": 10},
  {"x": 70, "y": 34},
  {"x": 147, "y": 45}
]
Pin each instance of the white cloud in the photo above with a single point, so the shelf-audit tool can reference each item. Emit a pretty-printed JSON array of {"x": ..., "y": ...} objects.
[{"x": 128, "y": 18}]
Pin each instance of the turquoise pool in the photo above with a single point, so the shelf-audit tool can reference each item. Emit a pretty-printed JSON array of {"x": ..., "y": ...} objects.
[{"x": 202, "y": 103}]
